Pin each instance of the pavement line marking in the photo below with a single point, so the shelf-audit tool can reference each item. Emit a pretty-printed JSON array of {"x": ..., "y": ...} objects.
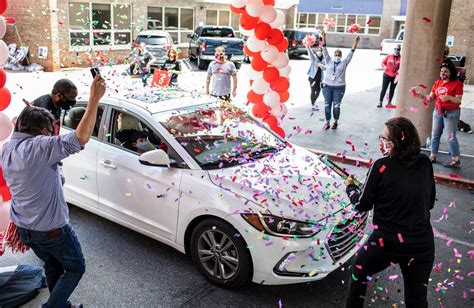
[{"x": 447, "y": 238}]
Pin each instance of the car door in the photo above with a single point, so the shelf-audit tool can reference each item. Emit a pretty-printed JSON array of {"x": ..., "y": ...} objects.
[
  {"x": 80, "y": 170},
  {"x": 146, "y": 197},
  {"x": 193, "y": 45}
]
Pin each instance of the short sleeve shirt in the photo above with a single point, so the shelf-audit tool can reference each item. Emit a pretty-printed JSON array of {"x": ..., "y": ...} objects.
[
  {"x": 451, "y": 88},
  {"x": 46, "y": 102},
  {"x": 221, "y": 73}
]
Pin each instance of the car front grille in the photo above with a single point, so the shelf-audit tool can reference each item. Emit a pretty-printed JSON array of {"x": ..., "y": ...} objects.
[{"x": 346, "y": 234}]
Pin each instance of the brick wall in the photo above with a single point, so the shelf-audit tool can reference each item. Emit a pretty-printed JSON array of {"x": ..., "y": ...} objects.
[{"x": 461, "y": 26}]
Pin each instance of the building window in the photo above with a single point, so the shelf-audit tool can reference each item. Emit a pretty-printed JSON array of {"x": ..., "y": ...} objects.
[
  {"x": 341, "y": 22},
  {"x": 177, "y": 21},
  {"x": 223, "y": 18},
  {"x": 98, "y": 24}
]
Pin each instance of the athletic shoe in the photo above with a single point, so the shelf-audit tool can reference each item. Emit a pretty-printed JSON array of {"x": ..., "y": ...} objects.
[
  {"x": 390, "y": 106},
  {"x": 326, "y": 126},
  {"x": 379, "y": 105},
  {"x": 334, "y": 125}
]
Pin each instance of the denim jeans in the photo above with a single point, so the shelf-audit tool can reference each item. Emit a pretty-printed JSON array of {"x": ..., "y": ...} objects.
[
  {"x": 332, "y": 99},
  {"x": 449, "y": 120},
  {"x": 144, "y": 76},
  {"x": 64, "y": 263}
]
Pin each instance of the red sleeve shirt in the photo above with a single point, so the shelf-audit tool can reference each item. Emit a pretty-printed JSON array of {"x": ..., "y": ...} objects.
[
  {"x": 392, "y": 65},
  {"x": 451, "y": 88}
]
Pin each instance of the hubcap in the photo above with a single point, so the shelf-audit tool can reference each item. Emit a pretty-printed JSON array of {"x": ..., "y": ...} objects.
[{"x": 218, "y": 254}]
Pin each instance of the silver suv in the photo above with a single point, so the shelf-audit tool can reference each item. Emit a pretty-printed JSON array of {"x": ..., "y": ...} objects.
[{"x": 157, "y": 43}]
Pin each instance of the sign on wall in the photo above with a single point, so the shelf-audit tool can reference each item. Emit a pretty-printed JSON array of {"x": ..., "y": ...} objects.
[{"x": 450, "y": 41}]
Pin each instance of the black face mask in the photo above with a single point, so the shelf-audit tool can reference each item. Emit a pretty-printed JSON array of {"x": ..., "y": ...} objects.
[{"x": 67, "y": 104}]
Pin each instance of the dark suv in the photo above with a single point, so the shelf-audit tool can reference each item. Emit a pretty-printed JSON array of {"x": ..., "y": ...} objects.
[{"x": 295, "y": 40}]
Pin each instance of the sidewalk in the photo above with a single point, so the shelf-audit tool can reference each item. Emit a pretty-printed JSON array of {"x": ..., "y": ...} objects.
[{"x": 360, "y": 125}]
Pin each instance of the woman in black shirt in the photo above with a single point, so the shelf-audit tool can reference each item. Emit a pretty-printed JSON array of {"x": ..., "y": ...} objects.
[
  {"x": 173, "y": 66},
  {"x": 400, "y": 188}
]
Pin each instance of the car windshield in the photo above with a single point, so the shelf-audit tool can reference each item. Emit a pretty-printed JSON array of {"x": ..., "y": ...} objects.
[
  {"x": 300, "y": 35},
  {"x": 217, "y": 32},
  {"x": 218, "y": 136},
  {"x": 152, "y": 40}
]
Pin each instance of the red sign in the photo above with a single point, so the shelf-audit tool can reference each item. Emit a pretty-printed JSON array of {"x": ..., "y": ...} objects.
[{"x": 160, "y": 78}]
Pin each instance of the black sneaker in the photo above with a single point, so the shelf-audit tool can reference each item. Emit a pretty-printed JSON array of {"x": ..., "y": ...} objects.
[
  {"x": 334, "y": 125},
  {"x": 453, "y": 164},
  {"x": 379, "y": 105}
]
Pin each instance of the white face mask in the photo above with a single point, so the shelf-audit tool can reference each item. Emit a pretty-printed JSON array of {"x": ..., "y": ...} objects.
[
  {"x": 337, "y": 59},
  {"x": 385, "y": 147},
  {"x": 142, "y": 146},
  {"x": 319, "y": 53}
]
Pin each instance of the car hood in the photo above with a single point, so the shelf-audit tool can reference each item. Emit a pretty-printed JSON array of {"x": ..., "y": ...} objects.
[{"x": 293, "y": 183}]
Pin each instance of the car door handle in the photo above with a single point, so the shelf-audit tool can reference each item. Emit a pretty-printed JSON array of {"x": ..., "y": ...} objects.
[{"x": 107, "y": 164}]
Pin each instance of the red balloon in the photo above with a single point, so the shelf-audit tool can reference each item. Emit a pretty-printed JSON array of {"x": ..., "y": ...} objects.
[
  {"x": 258, "y": 63},
  {"x": 262, "y": 31},
  {"x": 248, "y": 22},
  {"x": 269, "y": 2},
  {"x": 249, "y": 52},
  {"x": 275, "y": 37},
  {"x": 3, "y": 77},
  {"x": 279, "y": 131},
  {"x": 271, "y": 121},
  {"x": 5, "y": 98},
  {"x": 283, "y": 46},
  {"x": 284, "y": 96},
  {"x": 237, "y": 10},
  {"x": 254, "y": 97},
  {"x": 280, "y": 85},
  {"x": 3, "y": 6},
  {"x": 271, "y": 74},
  {"x": 260, "y": 110}
]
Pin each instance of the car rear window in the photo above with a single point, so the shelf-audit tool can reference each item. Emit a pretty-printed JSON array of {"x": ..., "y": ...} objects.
[
  {"x": 301, "y": 35},
  {"x": 217, "y": 32},
  {"x": 153, "y": 40}
]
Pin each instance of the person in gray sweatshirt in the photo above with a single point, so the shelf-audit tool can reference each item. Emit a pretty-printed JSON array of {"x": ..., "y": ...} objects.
[
  {"x": 334, "y": 83},
  {"x": 315, "y": 72}
]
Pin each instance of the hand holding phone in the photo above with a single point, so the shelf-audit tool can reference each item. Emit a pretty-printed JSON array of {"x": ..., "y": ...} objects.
[{"x": 95, "y": 71}]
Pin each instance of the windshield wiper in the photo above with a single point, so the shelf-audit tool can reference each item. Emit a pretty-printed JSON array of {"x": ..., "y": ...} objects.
[{"x": 219, "y": 164}]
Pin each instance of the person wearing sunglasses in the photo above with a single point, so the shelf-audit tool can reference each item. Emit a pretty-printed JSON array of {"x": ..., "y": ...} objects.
[
  {"x": 220, "y": 72},
  {"x": 62, "y": 97},
  {"x": 391, "y": 66},
  {"x": 401, "y": 191}
]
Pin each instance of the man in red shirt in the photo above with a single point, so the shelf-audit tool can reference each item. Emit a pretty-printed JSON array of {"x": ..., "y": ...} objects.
[{"x": 391, "y": 65}]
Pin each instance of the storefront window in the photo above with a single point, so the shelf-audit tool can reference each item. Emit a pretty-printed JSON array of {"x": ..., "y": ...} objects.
[
  {"x": 177, "y": 21},
  {"x": 211, "y": 17},
  {"x": 342, "y": 22},
  {"x": 98, "y": 24},
  {"x": 224, "y": 18}
]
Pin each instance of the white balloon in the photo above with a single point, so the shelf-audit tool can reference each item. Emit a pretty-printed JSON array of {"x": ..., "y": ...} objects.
[
  {"x": 254, "y": 7},
  {"x": 260, "y": 86},
  {"x": 3, "y": 52},
  {"x": 238, "y": 3},
  {"x": 269, "y": 14},
  {"x": 4, "y": 214},
  {"x": 271, "y": 99},
  {"x": 245, "y": 32},
  {"x": 6, "y": 126},
  {"x": 281, "y": 61},
  {"x": 279, "y": 21},
  {"x": 269, "y": 53},
  {"x": 254, "y": 44},
  {"x": 285, "y": 71},
  {"x": 253, "y": 74},
  {"x": 279, "y": 111},
  {"x": 3, "y": 27}
]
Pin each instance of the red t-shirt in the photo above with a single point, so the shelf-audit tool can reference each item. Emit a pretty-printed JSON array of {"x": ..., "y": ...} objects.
[
  {"x": 392, "y": 65},
  {"x": 451, "y": 88}
]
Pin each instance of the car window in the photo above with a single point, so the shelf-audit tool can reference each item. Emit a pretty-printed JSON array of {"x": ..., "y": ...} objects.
[
  {"x": 300, "y": 35},
  {"x": 130, "y": 133},
  {"x": 217, "y": 32},
  {"x": 153, "y": 40},
  {"x": 73, "y": 116}
]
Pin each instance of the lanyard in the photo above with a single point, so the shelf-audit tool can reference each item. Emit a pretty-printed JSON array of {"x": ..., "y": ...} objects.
[{"x": 335, "y": 65}]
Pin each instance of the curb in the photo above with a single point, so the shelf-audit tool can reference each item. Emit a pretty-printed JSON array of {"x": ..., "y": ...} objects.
[{"x": 451, "y": 180}]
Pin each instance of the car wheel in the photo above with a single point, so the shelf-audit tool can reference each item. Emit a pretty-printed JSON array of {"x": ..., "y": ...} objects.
[
  {"x": 202, "y": 64},
  {"x": 220, "y": 253},
  {"x": 238, "y": 65}
]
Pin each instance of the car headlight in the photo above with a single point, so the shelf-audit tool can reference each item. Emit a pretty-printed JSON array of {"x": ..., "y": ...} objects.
[{"x": 278, "y": 226}]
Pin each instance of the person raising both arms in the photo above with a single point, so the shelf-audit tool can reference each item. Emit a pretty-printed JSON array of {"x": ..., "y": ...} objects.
[{"x": 334, "y": 84}]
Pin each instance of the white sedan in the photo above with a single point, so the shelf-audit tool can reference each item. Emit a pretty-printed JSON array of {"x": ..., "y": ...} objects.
[{"x": 207, "y": 179}]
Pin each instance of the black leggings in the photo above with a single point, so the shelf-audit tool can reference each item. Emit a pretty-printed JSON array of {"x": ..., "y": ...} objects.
[
  {"x": 386, "y": 81},
  {"x": 416, "y": 270},
  {"x": 315, "y": 85}
]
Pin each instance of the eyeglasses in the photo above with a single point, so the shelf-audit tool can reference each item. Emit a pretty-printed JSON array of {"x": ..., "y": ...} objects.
[
  {"x": 381, "y": 137},
  {"x": 397, "y": 49}
]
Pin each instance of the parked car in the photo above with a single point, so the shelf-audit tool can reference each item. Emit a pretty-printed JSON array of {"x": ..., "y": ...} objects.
[
  {"x": 295, "y": 40},
  {"x": 157, "y": 43},
  {"x": 205, "y": 39},
  {"x": 214, "y": 184},
  {"x": 388, "y": 45}
]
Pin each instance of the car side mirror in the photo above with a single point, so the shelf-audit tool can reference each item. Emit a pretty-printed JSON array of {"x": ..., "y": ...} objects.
[
  {"x": 156, "y": 158},
  {"x": 190, "y": 35}
]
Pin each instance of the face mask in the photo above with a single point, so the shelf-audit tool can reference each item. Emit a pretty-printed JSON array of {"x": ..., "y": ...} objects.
[
  {"x": 385, "y": 147},
  {"x": 142, "y": 146},
  {"x": 396, "y": 52},
  {"x": 67, "y": 104},
  {"x": 337, "y": 59},
  {"x": 319, "y": 53},
  {"x": 443, "y": 77}
]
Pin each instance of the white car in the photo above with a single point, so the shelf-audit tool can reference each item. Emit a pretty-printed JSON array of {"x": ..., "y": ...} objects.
[{"x": 214, "y": 183}]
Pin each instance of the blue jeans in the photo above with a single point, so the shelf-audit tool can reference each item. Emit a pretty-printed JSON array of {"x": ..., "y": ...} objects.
[
  {"x": 449, "y": 120},
  {"x": 332, "y": 99},
  {"x": 64, "y": 263},
  {"x": 144, "y": 76}
]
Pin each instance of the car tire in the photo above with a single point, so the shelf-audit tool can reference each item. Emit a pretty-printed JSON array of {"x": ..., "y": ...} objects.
[
  {"x": 202, "y": 64},
  {"x": 229, "y": 268},
  {"x": 238, "y": 65}
]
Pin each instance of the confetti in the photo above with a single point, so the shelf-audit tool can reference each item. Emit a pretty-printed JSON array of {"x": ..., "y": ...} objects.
[
  {"x": 381, "y": 242},
  {"x": 382, "y": 169},
  {"x": 393, "y": 277},
  {"x": 400, "y": 238},
  {"x": 413, "y": 109},
  {"x": 427, "y": 19}
]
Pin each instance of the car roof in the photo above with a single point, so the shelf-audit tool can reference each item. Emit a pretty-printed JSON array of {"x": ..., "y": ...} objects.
[{"x": 153, "y": 32}]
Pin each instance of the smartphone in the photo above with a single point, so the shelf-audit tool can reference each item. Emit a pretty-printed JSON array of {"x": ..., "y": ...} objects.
[{"x": 95, "y": 71}]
